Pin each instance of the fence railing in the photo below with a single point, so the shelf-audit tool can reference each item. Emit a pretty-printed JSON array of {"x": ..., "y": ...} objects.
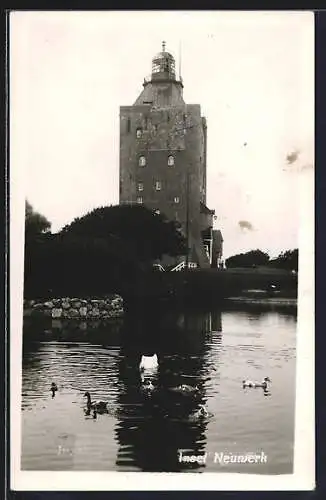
[{"x": 182, "y": 265}]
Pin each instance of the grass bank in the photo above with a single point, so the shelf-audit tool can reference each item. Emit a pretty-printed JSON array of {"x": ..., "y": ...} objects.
[{"x": 205, "y": 285}]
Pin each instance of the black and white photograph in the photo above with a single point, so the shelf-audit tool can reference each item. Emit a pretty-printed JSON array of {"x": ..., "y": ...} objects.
[{"x": 162, "y": 249}]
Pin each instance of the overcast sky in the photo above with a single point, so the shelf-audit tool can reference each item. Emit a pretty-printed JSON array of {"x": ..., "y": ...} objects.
[{"x": 252, "y": 73}]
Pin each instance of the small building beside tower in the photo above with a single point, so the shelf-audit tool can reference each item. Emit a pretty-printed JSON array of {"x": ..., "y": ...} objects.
[{"x": 163, "y": 154}]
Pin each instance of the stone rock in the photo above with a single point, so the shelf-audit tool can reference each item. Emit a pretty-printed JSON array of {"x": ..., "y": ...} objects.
[
  {"x": 83, "y": 311},
  {"x": 56, "y": 312},
  {"x": 94, "y": 313},
  {"x": 49, "y": 304},
  {"x": 118, "y": 313},
  {"x": 110, "y": 306},
  {"x": 73, "y": 313},
  {"x": 117, "y": 302}
]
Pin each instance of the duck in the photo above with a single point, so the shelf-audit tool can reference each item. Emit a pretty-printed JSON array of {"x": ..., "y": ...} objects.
[
  {"x": 185, "y": 389},
  {"x": 201, "y": 412},
  {"x": 148, "y": 365},
  {"x": 98, "y": 406},
  {"x": 147, "y": 388},
  {"x": 147, "y": 385},
  {"x": 148, "y": 362},
  {"x": 87, "y": 412},
  {"x": 53, "y": 388},
  {"x": 263, "y": 384}
]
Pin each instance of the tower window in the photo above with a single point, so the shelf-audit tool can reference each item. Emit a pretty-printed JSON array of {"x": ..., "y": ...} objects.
[
  {"x": 139, "y": 200},
  {"x": 176, "y": 199},
  {"x": 128, "y": 125},
  {"x": 158, "y": 185},
  {"x": 142, "y": 161},
  {"x": 138, "y": 133},
  {"x": 140, "y": 186},
  {"x": 170, "y": 160}
]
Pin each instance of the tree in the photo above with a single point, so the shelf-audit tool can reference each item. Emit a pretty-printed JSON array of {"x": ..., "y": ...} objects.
[
  {"x": 37, "y": 238},
  {"x": 249, "y": 259},
  {"x": 146, "y": 234},
  {"x": 35, "y": 223},
  {"x": 108, "y": 250},
  {"x": 287, "y": 260}
]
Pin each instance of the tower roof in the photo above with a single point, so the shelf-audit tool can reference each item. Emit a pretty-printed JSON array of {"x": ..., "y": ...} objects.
[
  {"x": 163, "y": 65},
  {"x": 162, "y": 88},
  {"x": 163, "y": 55}
]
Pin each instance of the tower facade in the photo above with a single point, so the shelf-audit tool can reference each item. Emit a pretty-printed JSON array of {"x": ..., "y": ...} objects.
[{"x": 163, "y": 148}]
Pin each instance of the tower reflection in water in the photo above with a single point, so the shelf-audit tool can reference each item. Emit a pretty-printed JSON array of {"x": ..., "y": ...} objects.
[{"x": 151, "y": 431}]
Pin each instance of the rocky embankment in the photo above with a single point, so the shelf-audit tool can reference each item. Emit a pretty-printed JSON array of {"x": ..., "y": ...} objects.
[{"x": 75, "y": 308}]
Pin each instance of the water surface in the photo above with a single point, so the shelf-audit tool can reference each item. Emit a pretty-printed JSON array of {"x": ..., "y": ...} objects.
[{"x": 215, "y": 350}]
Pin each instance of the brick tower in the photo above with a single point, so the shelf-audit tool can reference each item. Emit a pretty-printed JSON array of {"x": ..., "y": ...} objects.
[{"x": 163, "y": 145}]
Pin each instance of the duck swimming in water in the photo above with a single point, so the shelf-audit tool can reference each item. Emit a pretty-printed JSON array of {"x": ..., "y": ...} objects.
[
  {"x": 147, "y": 388},
  {"x": 148, "y": 365},
  {"x": 201, "y": 412},
  {"x": 53, "y": 389},
  {"x": 147, "y": 385},
  {"x": 148, "y": 362},
  {"x": 87, "y": 412},
  {"x": 264, "y": 384},
  {"x": 98, "y": 406},
  {"x": 185, "y": 389}
]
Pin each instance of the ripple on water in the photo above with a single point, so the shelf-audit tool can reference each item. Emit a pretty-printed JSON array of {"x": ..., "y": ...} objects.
[{"x": 140, "y": 433}]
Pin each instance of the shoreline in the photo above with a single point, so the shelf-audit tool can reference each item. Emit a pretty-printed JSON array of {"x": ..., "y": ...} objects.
[
  {"x": 109, "y": 311},
  {"x": 276, "y": 301}
]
